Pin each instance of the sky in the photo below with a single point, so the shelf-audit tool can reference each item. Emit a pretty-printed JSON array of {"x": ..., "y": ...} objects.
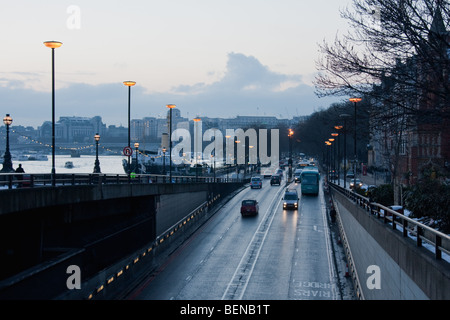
[{"x": 211, "y": 58}]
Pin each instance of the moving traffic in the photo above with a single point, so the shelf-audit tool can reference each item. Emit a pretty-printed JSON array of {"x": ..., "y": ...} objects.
[{"x": 270, "y": 243}]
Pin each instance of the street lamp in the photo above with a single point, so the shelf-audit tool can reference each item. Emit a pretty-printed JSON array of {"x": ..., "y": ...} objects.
[
  {"x": 136, "y": 146},
  {"x": 97, "y": 162},
  {"x": 7, "y": 163},
  {"x": 345, "y": 116},
  {"x": 170, "y": 106},
  {"x": 197, "y": 136},
  {"x": 355, "y": 101},
  {"x": 290, "y": 134},
  {"x": 338, "y": 127},
  {"x": 129, "y": 84},
  {"x": 328, "y": 143},
  {"x": 164, "y": 161},
  {"x": 53, "y": 45}
]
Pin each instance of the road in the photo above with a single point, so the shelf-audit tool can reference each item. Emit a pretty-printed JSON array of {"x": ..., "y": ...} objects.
[{"x": 277, "y": 255}]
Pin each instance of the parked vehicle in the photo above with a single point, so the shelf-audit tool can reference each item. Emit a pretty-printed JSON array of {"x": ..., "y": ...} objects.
[
  {"x": 255, "y": 182},
  {"x": 249, "y": 207},
  {"x": 290, "y": 199},
  {"x": 275, "y": 179}
]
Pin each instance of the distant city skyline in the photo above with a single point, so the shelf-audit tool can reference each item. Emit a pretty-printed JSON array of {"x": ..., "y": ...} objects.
[{"x": 210, "y": 58}]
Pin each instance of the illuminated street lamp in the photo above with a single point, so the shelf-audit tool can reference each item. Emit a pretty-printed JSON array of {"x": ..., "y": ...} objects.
[
  {"x": 336, "y": 162},
  {"x": 164, "y": 161},
  {"x": 7, "y": 163},
  {"x": 136, "y": 146},
  {"x": 197, "y": 136},
  {"x": 129, "y": 84},
  {"x": 290, "y": 135},
  {"x": 97, "y": 162},
  {"x": 355, "y": 101},
  {"x": 170, "y": 106},
  {"x": 345, "y": 116},
  {"x": 53, "y": 45}
]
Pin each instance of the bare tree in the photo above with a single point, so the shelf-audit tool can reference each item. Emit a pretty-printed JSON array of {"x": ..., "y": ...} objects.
[
  {"x": 384, "y": 34},
  {"x": 397, "y": 55}
]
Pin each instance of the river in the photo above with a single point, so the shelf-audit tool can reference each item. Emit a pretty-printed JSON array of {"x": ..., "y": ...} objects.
[{"x": 83, "y": 164}]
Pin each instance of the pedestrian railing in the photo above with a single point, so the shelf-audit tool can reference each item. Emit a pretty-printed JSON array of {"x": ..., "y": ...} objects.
[
  {"x": 24, "y": 180},
  {"x": 423, "y": 235}
]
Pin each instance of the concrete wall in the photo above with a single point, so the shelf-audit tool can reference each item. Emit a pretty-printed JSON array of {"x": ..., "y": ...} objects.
[
  {"x": 41, "y": 229},
  {"x": 406, "y": 271}
]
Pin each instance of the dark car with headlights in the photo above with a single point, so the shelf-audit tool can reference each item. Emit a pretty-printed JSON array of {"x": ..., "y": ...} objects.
[{"x": 290, "y": 199}]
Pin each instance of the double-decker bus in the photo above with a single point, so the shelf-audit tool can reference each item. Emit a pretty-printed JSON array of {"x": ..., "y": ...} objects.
[{"x": 310, "y": 179}]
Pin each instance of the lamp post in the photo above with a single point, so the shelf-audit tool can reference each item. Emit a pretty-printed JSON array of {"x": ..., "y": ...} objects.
[
  {"x": 197, "y": 139},
  {"x": 331, "y": 154},
  {"x": 97, "y": 162},
  {"x": 129, "y": 84},
  {"x": 53, "y": 45},
  {"x": 339, "y": 127},
  {"x": 136, "y": 146},
  {"x": 355, "y": 101},
  {"x": 328, "y": 143},
  {"x": 170, "y": 106},
  {"x": 345, "y": 116},
  {"x": 290, "y": 134},
  {"x": 164, "y": 161},
  {"x": 7, "y": 163},
  {"x": 335, "y": 154}
]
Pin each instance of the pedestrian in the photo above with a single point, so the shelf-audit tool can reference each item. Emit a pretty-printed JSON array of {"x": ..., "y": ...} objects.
[
  {"x": 20, "y": 176},
  {"x": 333, "y": 214},
  {"x": 20, "y": 169}
]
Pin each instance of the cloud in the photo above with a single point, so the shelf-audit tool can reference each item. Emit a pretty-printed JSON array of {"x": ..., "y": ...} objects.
[{"x": 246, "y": 88}]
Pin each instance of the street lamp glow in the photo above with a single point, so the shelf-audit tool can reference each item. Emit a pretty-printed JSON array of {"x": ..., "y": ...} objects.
[
  {"x": 53, "y": 44},
  {"x": 355, "y": 99},
  {"x": 7, "y": 120},
  {"x": 129, "y": 83},
  {"x": 170, "y": 106}
]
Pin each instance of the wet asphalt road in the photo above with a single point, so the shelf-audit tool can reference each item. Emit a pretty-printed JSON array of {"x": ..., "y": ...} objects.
[{"x": 277, "y": 255}]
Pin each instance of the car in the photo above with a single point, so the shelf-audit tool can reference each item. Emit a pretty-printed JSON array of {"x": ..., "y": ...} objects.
[
  {"x": 350, "y": 174},
  {"x": 290, "y": 199},
  {"x": 280, "y": 173},
  {"x": 298, "y": 175},
  {"x": 249, "y": 207},
  {"x": 333, "y": 175},
  {"x": 267, "y": 173},
  {"x": 255, "y": 182},
  {"x": 356, "y": 182},
  {"x": 275, "y": 179}
]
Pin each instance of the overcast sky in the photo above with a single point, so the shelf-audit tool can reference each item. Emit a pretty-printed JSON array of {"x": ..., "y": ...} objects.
[{"x": 216, "y": 58}]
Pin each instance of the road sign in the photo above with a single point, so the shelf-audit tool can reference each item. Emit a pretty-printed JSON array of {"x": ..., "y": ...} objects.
[{"x": 127, "y": 151}]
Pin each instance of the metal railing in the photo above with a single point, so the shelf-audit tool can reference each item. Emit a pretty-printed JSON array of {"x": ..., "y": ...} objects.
[
  {"x": 24, "y": 180},
  {"x": 438, "y": 241}
]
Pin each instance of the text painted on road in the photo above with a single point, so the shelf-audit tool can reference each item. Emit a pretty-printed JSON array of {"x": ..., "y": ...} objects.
[{"x": 313, "y": 289}]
